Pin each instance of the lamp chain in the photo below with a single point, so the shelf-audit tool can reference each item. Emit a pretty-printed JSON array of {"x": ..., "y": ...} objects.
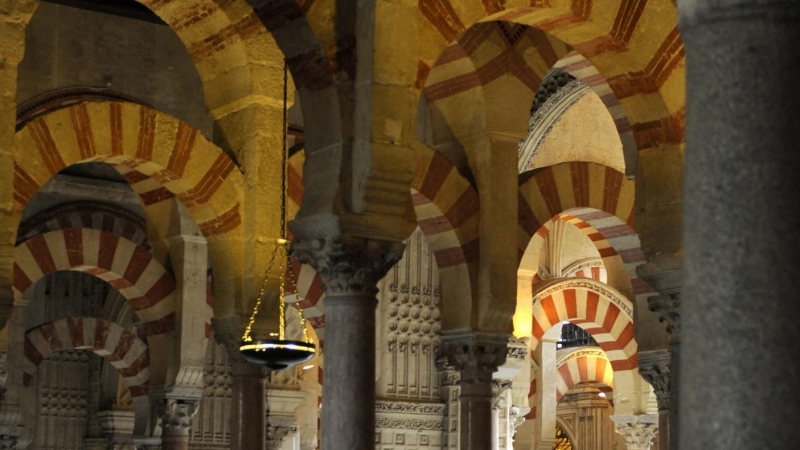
[{"x": 281, "y": 242}]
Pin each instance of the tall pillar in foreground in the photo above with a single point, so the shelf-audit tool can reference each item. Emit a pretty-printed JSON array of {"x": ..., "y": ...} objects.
[
  {"x": 740, "y": 312},
  {"x": 476, "y": 356},
  {"x": 350, "y": 270}
]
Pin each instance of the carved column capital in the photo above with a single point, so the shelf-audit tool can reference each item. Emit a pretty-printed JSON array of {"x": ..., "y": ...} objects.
[
  {"x": 348, "y": 265},
  {"x": 638, "y": 431},
  {"x": 476, "y": 355},
  {"x": 668, "y": 306},
  {"x": 654, "y": 367},
  {"x": 176, "y": 416},
  {"x": 276, "y": 435}
]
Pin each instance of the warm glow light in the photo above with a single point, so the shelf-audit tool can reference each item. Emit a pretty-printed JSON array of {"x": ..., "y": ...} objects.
[
  {"x": 308, "y": 367},
  {"x": 602, "y": 395}
]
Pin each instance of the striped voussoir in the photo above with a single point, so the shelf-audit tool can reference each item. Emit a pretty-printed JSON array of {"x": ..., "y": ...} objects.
[
  {"x": 584, "y": 365},
  {"x": 120, "y": 347},
  {"x": 596, "y": 307},
  {"x": 581, "y": 68},
  {"x": 505, "y": 48},
  {"x": 97, "y": 216},
  {"x": 618, "y": 37},
  {"x": 160, "y": 156},
  {"x": 129, "y": 268},
  {"x": 622, "y": 238},
  {"x": 447, "y": 208},
  {"x": 565, "y": 186}
]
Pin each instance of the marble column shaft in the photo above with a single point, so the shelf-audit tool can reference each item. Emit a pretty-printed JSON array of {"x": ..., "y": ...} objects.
[
  {"x": 248, "y": 407},
  {"x": 741, "y": 215},
  {"x": 350, "y": 269}
]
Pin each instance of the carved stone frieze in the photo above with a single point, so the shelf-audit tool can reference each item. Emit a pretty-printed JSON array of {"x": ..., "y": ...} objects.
[
  {"x": 348, "y": 265},
  {"x": 654, "y": 367},
  {"x": 553, "y": 81},
  {"x": 638, "y": 431},
  {"x": 409, "y": 423},
  {"x": 176, "y": 416},
  {"x": 668, "y": 306},
  {"x": 409, "y": 408}
]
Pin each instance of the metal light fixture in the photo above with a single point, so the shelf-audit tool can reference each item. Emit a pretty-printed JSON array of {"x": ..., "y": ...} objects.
[{"x": 278, "y": 354}]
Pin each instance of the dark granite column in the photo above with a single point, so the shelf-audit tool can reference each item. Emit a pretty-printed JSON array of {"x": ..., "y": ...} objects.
[
  {"x": 476, "y": 356},
  {"x": 740, "y": 352},
  {"x": 350, "y": 270}
]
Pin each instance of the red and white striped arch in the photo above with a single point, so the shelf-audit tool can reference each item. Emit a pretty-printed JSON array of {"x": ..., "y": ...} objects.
[
  {"x": 129, "y": 268},
  {"x": 120, "y": 347},
  {"x": 581, "y": 68},
  {"x": 94, "y": 215},
  {"x": 596, "y": 307},
  {"x": 584, "y": 365}
]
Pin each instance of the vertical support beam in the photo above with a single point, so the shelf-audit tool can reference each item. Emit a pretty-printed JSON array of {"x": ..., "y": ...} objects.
[
  {"x": 546, "y": 379},
  {"x": 477, "y": 356},
  {"x": 741, "y": 209},
  {"x": 248, "y": 399},
  {"x": 350, "y": 269}
]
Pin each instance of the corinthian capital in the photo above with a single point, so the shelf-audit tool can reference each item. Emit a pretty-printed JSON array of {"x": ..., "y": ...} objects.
[
  {"x": 348, "y": 265},
  {"x": 654, "y": 367},
  {"x": 476, "y": 354},
  {"x": 275, "y": 436},
  {"x": 638, "y": 431}
]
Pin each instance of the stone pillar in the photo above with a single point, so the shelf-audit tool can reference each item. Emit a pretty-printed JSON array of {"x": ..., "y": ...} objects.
[
  {"x": 176, "y": 422},
  {"x": 350, "y": 269},
  {"x": 638, "y": 431},
  {"x": 476, "y": 356},
  {"x": 654, "y": 367},
  {"x": 663, "y": 372},
  {"x": 546, "y": 381},
  {"x": 248, "y": 401},
  {"x": 740, "y": 211}
]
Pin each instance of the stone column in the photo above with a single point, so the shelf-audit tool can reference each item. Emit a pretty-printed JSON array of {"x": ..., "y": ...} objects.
[
  {"x": 476, "y": 356},
  {"x": 662, "y": 373},
  {"x": 350, "y": 270},
  {"x": 654, "y": 367},
  {"x": 638, "y": 431},
  {"x": 176, "y": 422},
  {"x": 741, "y": 210},
  {"x": 248, "y": 402}
]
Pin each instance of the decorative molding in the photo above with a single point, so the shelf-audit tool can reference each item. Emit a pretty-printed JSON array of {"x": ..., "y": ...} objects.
[
  {"x": 654, "y": 367},
  {"x": 412, "y": 424},
  {"x": 409, "y": 407},
  {"x": 348, "y": 265},
  {"x": 598, "y": 352},
  {"x": 557, "y": 99}
]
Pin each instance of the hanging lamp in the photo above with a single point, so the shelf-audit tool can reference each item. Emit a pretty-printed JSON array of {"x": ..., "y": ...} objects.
[{"x": 279, "y": 353}]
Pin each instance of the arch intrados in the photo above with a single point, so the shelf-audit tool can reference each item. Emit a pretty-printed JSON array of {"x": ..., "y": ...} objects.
[{"x": 142, "y": 280}]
